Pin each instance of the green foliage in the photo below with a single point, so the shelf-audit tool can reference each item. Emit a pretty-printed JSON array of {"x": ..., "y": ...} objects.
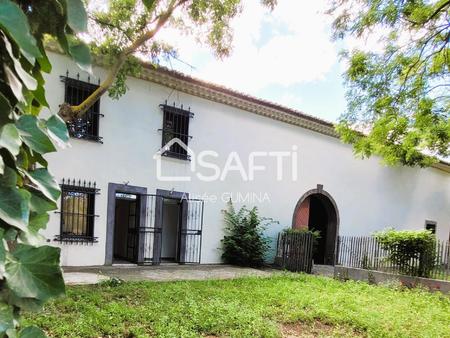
[
  {"x": 29, "y": 271},
  {"x": 244, "y": 242},
  {"x": 247, "y": 307},
  {"x": 315, "y": 233},
  {"x": 398, "y": 98},
  {"x": 413, "y": 251},
  {"x": 118, "y": 26}
]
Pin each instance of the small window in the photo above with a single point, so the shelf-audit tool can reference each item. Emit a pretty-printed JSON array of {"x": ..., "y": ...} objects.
[
  {"x": 86, "y": 127},
  {"x": 176, "y": 125},
  {"x": 77, "y": 212},
  {"x": 431, "y": 226}
]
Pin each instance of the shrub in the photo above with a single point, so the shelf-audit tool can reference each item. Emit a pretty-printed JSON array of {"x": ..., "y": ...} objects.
[
  {"x": 244, "y": 243},
  {"x": 412, "y": 251}
]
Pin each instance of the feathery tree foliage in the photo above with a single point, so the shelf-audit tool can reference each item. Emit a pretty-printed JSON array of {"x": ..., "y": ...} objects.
[
  {"x": 124, "y": 31},
  {"x": 398, "y": 97}
]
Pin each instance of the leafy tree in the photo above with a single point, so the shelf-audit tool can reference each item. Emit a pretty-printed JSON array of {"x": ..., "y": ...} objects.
[
  {"x": 125, "y": 31},
  {"x": 398, "y": 98},
  {"x": 244, "y": 243},
  {"x": 29, "y": 271}
]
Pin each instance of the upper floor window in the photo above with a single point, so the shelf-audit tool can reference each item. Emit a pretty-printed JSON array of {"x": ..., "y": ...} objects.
[
  {"x": 86, "y": 127},
  {"x": 431, "y": 226},
  {"x": 77, "y": 211},
  {"x": 176, "y": 126}
]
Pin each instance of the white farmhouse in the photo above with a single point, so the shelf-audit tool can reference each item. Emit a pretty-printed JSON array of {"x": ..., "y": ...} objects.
[{"x": 153, "y": 204}]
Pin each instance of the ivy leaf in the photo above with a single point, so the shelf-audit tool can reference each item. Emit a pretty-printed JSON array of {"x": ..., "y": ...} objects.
[
  {"x": 41, "y": 204},
  {"x": 14, "y": 83},
  {"x": 76, "y": 15},
  {"x": 62, "y": 39},
  {"x": 31, "y": 332},
  {"x": 29, "y": 304},
  {"x": 38, "y": 221},
  {"x": 10, "y": 139},
  {"x": 6, "y": 318},
  {"x": 34, "y": 272},
  {"x": 81, "y": 54},
  {"x": 44, "y": 62},
  {"x": 9, "y": 178},
  {"x": 2, "y": 253},
  {"x": 2, "y": 165},
  {"x": 45, "y": 182},
  {"x": 14, "y": 21},
  {"x": 39, "y": 93},
  {"x": 5, "y": 109},
  {"x": 33, "y": 136},
  {"x": 57, "y": 129},
  {"x": 14, "y": 206},
  {"x": 28, "y": 80}
]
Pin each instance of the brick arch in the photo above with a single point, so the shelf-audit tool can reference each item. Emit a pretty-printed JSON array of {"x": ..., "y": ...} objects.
[{"x": 302, "y": 213}]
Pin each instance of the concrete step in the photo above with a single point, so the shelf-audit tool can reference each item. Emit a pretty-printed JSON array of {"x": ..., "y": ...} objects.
[{"x": 323, "y": 270}]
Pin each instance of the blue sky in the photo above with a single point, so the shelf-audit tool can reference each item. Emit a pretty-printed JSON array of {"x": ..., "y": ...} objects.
[{"x": 285, "y": 56}]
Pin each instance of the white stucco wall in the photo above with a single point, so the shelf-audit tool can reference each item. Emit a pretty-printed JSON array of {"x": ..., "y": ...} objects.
[{"x": 369, "y": 196}]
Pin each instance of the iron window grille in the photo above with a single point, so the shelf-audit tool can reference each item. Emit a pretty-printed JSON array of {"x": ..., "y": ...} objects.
[
  {"x": 87, "y": 126},
  {"x": 175, "y": 125},
  {"x": 77, "y": 212}
]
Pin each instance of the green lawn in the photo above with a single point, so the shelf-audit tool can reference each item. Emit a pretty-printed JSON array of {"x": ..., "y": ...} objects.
[{"x": 249, "y": 307}]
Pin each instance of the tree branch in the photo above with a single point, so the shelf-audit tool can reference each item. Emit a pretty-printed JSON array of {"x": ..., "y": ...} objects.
[
  {"x": 68, "y": 112},
  {"x": 438, "y": 10}
]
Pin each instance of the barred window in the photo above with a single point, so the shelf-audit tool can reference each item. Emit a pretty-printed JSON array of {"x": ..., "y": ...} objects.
[
  {"x": 87, "y": 126},
  {"x": 77, "y": 211},
  {"x": 431, "y": 226},
  {"x": 176, "y": 125}
]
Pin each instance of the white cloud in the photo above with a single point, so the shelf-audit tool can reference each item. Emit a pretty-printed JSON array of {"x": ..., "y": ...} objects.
[{"x": 288, "y": 46}]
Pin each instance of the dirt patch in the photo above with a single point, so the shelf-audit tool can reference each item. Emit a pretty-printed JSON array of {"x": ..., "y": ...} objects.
[{"x": 316, "y": 329}]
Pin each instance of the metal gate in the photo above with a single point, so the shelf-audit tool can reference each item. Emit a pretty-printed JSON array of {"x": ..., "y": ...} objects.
[
  {"x": 151, "y": 226},
  {"x": 191, "y": 231}
]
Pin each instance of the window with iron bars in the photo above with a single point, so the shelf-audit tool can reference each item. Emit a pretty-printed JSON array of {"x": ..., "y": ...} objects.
[
  {"x": 87, "y": 126},
  {"x": 77, "y": 211},
  {"x": 175, "y": 125}
]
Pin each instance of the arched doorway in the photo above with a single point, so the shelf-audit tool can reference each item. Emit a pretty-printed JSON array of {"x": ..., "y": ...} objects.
[{"x": 317, "y": 210}]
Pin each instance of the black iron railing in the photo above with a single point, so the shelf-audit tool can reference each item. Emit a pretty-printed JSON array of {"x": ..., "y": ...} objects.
[
  {"x": 366, "y": 252},
  {"x": 88, "y": 126},
  {"x": 77, "y": 212},
  {"x": 176, "y": 125}
]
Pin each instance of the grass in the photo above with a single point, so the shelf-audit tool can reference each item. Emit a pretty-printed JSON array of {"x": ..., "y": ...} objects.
[{"x": 283, "y": 305}]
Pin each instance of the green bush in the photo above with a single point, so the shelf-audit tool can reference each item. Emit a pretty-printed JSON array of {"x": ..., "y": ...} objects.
[
  {"x": 244, "y": 243},
  {"x": 315, "y": 233},
  {"x": 412, "y": 251}
]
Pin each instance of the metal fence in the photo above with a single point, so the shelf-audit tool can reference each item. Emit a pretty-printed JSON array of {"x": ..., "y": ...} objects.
[
  {"x": 295, "y": 251},
  {"x": 367, "y": 253}
]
